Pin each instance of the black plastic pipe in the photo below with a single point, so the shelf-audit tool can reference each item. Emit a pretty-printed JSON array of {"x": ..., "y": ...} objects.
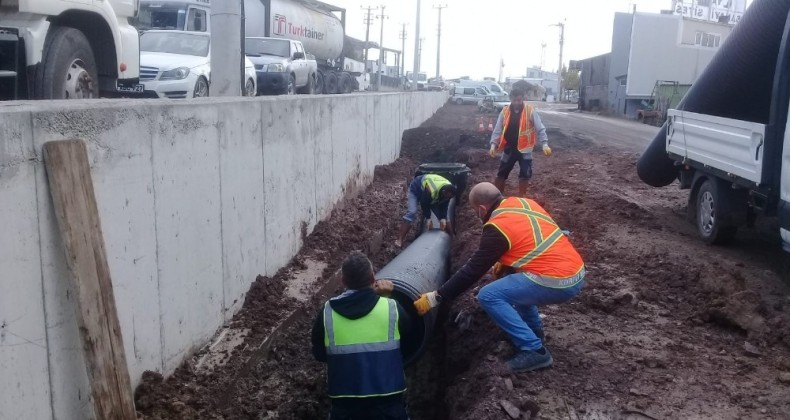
[
  {"x": 421, "y": 267},
  {"x": 738, "y": 82}
]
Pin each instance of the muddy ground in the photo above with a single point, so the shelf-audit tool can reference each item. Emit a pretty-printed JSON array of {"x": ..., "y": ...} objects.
[{"x": 666, "y": 327}]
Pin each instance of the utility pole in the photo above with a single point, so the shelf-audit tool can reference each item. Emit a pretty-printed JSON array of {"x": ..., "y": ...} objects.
[
  {"x": 227, "y": 62},
  {"x": 416, "y": 49},
  {"x": 559, "y": 69},
  {"x": 403, "y": 51},
  {"x": 368, "y": 20},
  {"x": 439, "y": 40},
  {"x": 382, "y": 16},
  {"x": 542, "y": 55}
]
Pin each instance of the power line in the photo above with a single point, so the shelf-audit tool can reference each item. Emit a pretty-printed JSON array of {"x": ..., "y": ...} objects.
[{"x": 439, "y": 40}]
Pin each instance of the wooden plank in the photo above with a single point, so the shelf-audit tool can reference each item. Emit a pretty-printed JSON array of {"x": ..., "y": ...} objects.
[{"x": 78, "y": 220}]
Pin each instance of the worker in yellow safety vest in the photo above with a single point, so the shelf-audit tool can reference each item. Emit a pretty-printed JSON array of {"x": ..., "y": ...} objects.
[
  {"x": 515, "y": 135},
  {"x": 358, "y": 335},
  {"x": 433, "y": 193}
]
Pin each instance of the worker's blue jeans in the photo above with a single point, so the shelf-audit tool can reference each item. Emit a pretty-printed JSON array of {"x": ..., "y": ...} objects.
[{"x": 513, "y": 300}]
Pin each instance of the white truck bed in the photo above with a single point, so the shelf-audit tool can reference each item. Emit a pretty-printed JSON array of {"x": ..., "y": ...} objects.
[{"x": 732, "y": 146}]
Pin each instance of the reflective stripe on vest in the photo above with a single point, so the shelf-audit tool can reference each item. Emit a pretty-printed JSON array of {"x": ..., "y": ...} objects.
[
  {"x": 363, "y": 354},
  {"x": 361, "y": 335},
  {"x": 541, "y": 244},
  {"x": 434, "y": 184},
  {"x": 527, "y": 137}
]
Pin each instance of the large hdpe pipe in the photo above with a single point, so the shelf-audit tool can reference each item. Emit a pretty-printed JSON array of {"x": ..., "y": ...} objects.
[
  {"x": 737, "y": 84},
  {"x": 420, "y": 268}
]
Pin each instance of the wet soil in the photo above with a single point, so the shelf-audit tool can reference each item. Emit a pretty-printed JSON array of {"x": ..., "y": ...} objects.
[{"x": 666, "y": 327}]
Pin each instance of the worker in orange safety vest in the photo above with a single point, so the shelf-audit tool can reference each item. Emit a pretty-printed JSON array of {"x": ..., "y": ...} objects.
[
  {"x": 541, "y": 267},
  {"x": 517, "y": 130}
]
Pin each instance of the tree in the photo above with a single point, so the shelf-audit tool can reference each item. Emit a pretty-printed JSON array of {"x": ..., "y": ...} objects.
[{"x": 570, "y": 79}]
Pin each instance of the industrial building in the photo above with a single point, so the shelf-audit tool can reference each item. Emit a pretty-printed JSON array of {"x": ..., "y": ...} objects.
[{"x": 649, "y": 52}]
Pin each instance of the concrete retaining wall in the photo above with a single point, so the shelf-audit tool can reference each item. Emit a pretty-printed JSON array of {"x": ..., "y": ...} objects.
[{"x": 196, "y": 199}]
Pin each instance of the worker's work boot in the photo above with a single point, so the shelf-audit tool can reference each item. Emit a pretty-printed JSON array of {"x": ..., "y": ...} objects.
[
  {"x": 522, "y": 187},
  {"x": 500, "y": 184},
  {"x": 528, "y": 360}
]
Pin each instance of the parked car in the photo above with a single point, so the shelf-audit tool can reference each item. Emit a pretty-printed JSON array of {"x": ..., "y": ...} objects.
[
  {"x": 177, "y": 65},
  {"x": 282, "y": 67},
  {"x": 469, "y": 95}
]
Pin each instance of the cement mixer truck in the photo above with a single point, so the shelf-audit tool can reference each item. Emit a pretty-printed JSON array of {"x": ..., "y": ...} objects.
[
  {"x": 320, "y": 27},
  {"x": 729, "y": 140}
]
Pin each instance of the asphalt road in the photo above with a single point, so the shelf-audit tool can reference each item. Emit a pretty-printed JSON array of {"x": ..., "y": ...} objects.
[{"x": 600, "y": 130}]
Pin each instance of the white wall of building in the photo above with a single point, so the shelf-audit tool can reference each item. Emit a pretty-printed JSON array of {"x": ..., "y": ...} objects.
[
  {"x": 196, "y": 198},
  {"x": 663, "y": 48}
]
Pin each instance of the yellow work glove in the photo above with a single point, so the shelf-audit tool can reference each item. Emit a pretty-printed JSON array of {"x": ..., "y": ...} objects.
[
  {"x": 426, "y": 302},
  {"x": 443, "y": 224},
  {"x": 547, "y": 150},
  {"x": 492, "y": 151}
]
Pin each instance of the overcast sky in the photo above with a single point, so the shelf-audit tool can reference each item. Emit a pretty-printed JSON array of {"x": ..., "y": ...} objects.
[{"x": 476, "y": 33}]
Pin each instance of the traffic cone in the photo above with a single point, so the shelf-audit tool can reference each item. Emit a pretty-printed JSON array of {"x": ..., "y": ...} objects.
[
  {"x": 490, "y": 124},
  {"x": 481, "y": 127}
]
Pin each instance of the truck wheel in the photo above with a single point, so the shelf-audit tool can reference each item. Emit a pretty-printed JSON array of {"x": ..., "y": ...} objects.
[
  {"x": 201, "y": 88},
  {"x": 249, "y": 88},
  {"x": 459, "y": 101},
  {"x": 319, "y": 83},
  {"x": 710, "y": 217},
  {"x": 68, "y": 68},
  {"x": 291, "y": 85},
  {"x": 309, "y": 88},
  {"x": 345, "y": 83},
  {"x": 330, "y": 83}
]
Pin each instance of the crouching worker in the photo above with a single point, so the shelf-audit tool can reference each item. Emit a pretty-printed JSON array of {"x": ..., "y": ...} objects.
[
  {"x": 357, "y": 335},
  {"x": 433, "y": 192},
  {"x": 540, "y": 267}
]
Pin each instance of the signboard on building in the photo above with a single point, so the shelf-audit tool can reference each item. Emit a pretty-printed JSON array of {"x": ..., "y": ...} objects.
[{"x": 725, "y": 11}]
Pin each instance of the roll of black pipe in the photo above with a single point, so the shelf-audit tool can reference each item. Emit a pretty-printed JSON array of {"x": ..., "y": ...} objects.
[
  {"x": 738, "y": 82},
  {"x": 421, "y": 267}
]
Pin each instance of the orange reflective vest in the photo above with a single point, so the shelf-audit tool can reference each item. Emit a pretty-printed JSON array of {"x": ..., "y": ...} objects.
[
  {"x": 537, "y": 245},
  {"x": 526, "y": 129}
]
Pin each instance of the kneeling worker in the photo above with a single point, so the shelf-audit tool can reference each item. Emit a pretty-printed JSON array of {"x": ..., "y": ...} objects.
[
  {"x": 358, "y": 334},
  {"x": 541, "y": 264},
  {"x": 433, "y": 192}
]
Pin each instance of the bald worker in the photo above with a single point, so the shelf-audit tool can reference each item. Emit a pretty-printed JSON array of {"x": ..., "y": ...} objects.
[{"x": 539, "y": 265}]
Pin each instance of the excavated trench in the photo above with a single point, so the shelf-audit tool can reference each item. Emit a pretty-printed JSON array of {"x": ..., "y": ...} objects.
[{"x": 261, "y": 365}]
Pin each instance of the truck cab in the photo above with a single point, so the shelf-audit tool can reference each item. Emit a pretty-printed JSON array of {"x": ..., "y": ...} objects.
[
  {"x": 61, "y": 49},
  {"x": 180, "y": 15}
]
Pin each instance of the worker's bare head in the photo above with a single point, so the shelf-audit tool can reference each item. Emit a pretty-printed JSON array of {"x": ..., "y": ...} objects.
[
  {"x": 518, "y": 93},
  {"x": 483, "y": 197},
  {"x": 357, "y": 271}
]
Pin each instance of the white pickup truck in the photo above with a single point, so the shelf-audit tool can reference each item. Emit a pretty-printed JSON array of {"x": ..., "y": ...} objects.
[{"x": 735, "y": 170}]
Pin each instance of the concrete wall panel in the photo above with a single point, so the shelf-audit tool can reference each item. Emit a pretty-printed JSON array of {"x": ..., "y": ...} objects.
[
  {"x": 24, "y": 371},
  {"x": 190, "y": 194},
  {"x": 188, "y": 225},
  {"x": 243, "y": 215},
  {"x": 326, "y": 195}
]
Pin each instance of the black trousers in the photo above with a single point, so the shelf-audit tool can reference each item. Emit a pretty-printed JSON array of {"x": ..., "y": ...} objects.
[{"x": 509, "y": 160}]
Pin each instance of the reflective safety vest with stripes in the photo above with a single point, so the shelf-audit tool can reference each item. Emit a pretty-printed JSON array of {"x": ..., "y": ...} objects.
[
  {"x": 526, "y": 129},
  {"x": 433, "y": 184},
  {"x": 537, "y": 244},
  {"x": 363, "y": 354}
]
